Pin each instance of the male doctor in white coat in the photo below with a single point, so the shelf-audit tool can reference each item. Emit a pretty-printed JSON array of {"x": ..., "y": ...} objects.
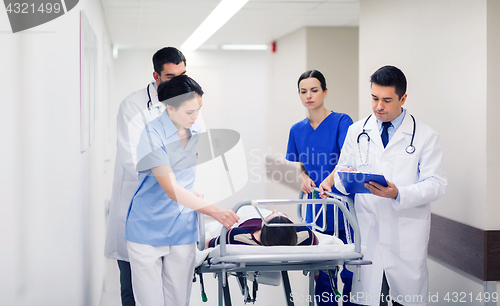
[
  {"x": 135, "y": 111},
  {"x": 394, "y": 220}
]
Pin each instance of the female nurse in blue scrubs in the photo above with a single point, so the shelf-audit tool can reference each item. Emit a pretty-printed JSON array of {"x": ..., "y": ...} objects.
[
  {"x": 161, "y": 226},
  {"x": 315, "y": 142}
]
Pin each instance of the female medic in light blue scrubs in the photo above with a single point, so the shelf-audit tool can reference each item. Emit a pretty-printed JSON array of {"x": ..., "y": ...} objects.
[
  {"x": 315, "y": 142},
  {"x": 161, "y": 228}
]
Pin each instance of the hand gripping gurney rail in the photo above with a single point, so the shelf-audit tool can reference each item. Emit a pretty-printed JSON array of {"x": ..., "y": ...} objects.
[{"x": 245, "y": 260}]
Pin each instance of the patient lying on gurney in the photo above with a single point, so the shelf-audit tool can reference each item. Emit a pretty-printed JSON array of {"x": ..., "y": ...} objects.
[{"x": 252, "y": 231}]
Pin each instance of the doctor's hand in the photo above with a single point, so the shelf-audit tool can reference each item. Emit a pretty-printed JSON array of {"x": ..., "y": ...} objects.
[
  {"x": 391, "y": 191},
  {"x": 307, "y": 183}
]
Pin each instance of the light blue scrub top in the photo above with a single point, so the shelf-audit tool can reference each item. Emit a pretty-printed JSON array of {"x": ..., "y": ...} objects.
[{"x": 153, "y": 218}]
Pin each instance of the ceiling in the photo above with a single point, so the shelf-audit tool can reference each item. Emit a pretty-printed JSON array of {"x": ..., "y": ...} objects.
[{"x": 157, "y": 23}]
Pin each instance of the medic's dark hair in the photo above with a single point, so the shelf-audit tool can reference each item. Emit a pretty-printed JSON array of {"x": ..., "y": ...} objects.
[
  {"x": 313, "y": 74},
  {"x": 390, "y": 76},
  {"x": 182, "y": 88},
  {"x": 165, "y": 56},
  {"x": 281, "y": 235}
]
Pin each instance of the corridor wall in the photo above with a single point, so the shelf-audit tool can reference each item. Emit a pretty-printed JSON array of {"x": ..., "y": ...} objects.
[{"x": 54, "y": 195}]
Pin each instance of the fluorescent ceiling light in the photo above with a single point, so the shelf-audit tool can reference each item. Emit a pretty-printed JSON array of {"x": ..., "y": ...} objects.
[
  {"x": 208, "y": 47},
  {"x": 244, "y": 47},
  {"x": 115, "y": 51},
  {"x": 217, "y": 18}
]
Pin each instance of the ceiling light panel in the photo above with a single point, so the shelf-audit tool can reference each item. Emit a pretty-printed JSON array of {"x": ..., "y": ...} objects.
[{"x": 217, "y": 18}]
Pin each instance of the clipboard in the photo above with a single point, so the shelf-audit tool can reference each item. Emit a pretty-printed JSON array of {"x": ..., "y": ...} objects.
[{"x": 354, "y": 182}]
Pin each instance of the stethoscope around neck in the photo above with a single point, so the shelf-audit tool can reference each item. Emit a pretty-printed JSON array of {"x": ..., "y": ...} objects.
[
  {"x": 410, "y": 149},
  {"x": 150, "y": 103}
]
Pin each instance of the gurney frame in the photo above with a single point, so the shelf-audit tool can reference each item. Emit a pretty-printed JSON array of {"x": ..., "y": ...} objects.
[{"x": 224, "y": 263}]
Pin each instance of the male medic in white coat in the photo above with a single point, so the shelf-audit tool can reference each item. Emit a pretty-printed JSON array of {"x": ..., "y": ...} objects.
[
  {"x": 135, "y": 111},
  {"x": 394, "y": 220}
]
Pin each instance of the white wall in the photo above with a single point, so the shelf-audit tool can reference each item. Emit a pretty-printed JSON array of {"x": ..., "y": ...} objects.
[
  {"x": 445, "y": 280},
  {"x": 285, "y": 108},
  {"x": 334, "y": 52},
  {"x": 493, "y": 112},
  {"x": 53, "y": 218}
]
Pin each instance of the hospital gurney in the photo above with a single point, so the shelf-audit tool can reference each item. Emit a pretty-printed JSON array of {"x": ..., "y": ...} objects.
[{"x": 244, "y": 261}]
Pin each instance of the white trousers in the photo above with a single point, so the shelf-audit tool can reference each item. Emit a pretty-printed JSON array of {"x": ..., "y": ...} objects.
[{"x": 162, "y": 276}]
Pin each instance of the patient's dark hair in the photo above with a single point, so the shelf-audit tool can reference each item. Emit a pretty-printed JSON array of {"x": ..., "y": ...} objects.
[
  {"x": 178, "y": 90},
  {"x": 280, "y": 235}
]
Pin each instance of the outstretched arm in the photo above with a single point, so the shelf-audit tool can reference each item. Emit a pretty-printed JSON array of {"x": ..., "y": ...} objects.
[{"x": 166, "y": 178}]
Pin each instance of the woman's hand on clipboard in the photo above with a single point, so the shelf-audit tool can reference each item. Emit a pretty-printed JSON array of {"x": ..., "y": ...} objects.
[
  {"x": 329, "y": 181},
  {"x": 326, "y": 185}
]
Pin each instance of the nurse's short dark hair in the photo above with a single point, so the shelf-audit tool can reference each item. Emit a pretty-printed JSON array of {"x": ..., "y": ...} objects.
[
  {"x": 178, "y": 90},
  {"x": 280, "y": 235},
  {"x": 313, "y": 74},
  {"x": 165, "y": 56},
  {"x": 390, "y": 76}
]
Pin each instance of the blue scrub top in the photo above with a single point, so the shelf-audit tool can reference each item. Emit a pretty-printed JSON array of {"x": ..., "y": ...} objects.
[
  {"x": 153, "y": 218},
  {"x": 319, "y": 151}
]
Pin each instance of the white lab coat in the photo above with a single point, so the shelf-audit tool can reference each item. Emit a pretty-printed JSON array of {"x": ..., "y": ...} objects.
[
  {"x": 131, "y": 120},
  {"x": 395, "y": 234}
]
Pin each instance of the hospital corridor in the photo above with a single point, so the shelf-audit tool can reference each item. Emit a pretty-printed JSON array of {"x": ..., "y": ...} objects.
[{"x": 131, "y": 129}]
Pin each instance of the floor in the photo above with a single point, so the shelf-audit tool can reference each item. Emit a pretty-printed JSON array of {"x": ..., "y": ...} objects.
[{"x": 111, "y": 289}]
